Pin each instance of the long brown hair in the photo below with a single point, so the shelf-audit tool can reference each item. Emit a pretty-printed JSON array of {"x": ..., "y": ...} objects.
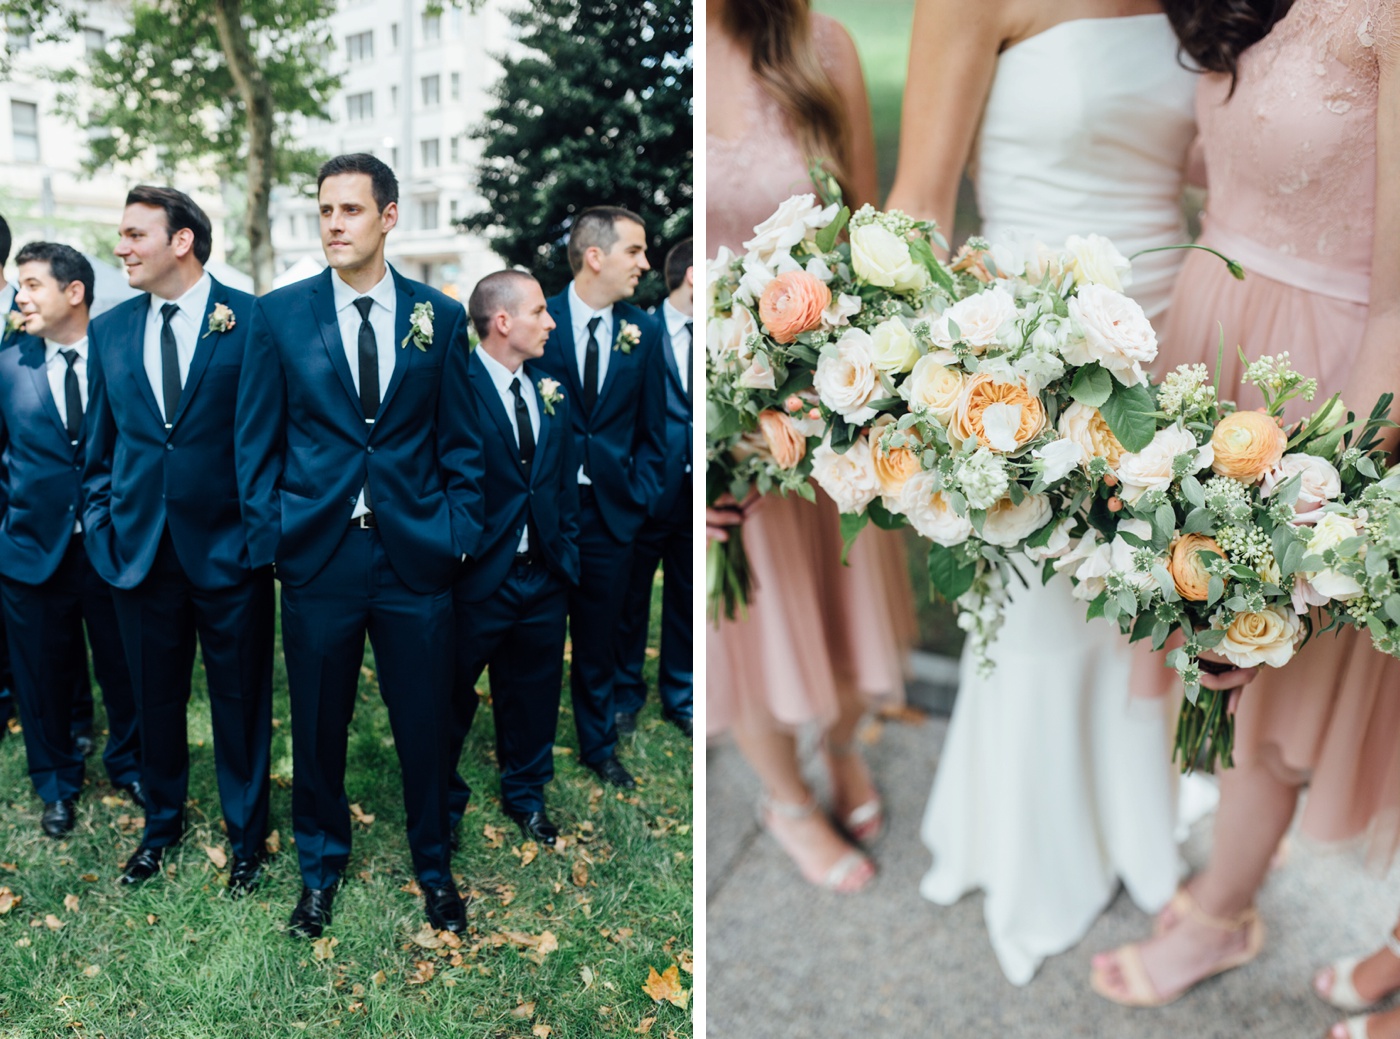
[
  {"x": 1214, "y": 33},
  {"x": 784, "y": 56}
]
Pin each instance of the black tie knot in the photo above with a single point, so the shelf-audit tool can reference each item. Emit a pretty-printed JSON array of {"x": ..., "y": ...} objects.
[
  {"x": 515, "y": 387},
  {"x": 690, "y": 330},
  {"x": 169, "y": 310},
  {"x": 593, "y": 324},
  {"x": 71, "y": 356},
  {"x": 362, "y": 305}
]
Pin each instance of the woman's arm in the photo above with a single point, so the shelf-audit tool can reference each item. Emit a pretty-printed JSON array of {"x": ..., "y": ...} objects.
[
  {"x": 846, "y": 76},
  {"x": 952, "y": 58}
]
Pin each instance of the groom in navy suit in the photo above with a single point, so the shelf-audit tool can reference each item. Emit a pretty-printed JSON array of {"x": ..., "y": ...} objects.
[
  {"x": 164, "y": 528},
  {"x": 364, "y": 490},
  {"x": 48, "y": 586},
  {"x": 607, "y": 355},
  {"x": 513, "y": 598}
]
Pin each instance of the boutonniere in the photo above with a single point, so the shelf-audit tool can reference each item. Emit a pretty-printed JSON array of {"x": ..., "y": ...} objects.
[
  {"x": 549, "y": 394},
  {"x": 420, "y": 327},
  {"x": 14, "y": 322},
  {"x": 628, "y": 336},
  {"x": 221, "y": 320}
]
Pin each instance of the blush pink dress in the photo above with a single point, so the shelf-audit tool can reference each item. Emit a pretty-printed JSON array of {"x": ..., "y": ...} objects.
[
  {"x": 1290, "y": 162},
  {"x": 812, "y": 622}
]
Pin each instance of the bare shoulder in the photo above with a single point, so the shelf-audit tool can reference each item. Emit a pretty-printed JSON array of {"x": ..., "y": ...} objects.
[
  {"x": 957, "y": 23},
  {"x": 834, "y": 46}
]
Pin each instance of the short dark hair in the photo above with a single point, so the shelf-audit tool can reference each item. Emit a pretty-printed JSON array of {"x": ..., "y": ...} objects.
[
  {"x": 493, "y": 294},
  {"x": 597, "y": 225},
  {"x": 382, "y": 180},
  {"x": 4, "y": 241},
  {"x": 66, "y": 264},
  {"x": 678, "y": 261},
  {"x": 181, "y": 212}
]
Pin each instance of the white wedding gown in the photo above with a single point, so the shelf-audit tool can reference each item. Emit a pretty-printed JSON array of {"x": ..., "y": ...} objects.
[{"x": 1055, "y": 783}]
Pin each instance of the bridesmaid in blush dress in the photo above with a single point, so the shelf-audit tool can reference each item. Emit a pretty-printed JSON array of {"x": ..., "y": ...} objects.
[
  {"x": 1300, "y": 127},
  {"x": 820, "y": 639}
]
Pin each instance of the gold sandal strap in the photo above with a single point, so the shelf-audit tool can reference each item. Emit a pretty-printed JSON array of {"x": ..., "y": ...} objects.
[
  {"x": 787, "y": 810},
  {"x": 1239, "y": 921}
]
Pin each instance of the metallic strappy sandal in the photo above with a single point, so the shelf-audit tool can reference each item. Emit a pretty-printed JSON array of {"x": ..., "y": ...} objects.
[
  {"x": 837, "y": 878},
  {"x": 1343, "y": 995},
  {"x": 865, "y": 822}
]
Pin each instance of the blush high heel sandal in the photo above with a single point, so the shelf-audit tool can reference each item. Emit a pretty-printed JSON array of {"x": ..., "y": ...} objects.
[
  {"x": 865, "y": 822},
  {"x": 1343, "y": 994},
  {"x": 847, "y": 875}
]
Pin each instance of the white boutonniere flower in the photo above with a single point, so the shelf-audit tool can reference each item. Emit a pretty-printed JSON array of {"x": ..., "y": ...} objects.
[
  {"x": 420, "y": 327},
  {"x": 220, "y": 320},
  {"x": 549, "y": 394},
  {"x": 628, "y": 336},
  {"x": 14, "y": 322}
]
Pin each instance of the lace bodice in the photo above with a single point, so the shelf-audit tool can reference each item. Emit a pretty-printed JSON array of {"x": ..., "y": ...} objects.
[{"x": 1291, "y": 157}]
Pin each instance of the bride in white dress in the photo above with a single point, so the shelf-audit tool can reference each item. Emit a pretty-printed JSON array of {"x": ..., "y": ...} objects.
[{"x": 1054, "y": 783}]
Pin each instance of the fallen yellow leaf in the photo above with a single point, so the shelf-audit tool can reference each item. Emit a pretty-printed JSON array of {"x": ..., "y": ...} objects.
[
  {"x": 586, "y": 973},
  {"x": 216, "y": 855},
  {"x": 687, "y": 961},
  {"x": 580, "y": 873},
  {"x": 152, "y": 919},
  {"x": 52, "y": 922},
  {"x": 114, "y": 802},
  {"x": 92, "y": 971},
  {"x": 324, "y": 948},
  {"x": 90, "y": 878},
  {"x": 360, "y": 815},
  {"x": 528, "y": 851},
  {"x": 644, "y": 1025},
  {"x": 543, "y": 1031},
  {"x": 548, "y": 943},
  {"x": 412, "y": 888},
  {"x": 524, "y": 1010},
  {"x": 450, "y": 940},
  {"x": 427, "y": 937},
  {"x": 8, "y": 900},
  {"x": 495, "y": 836},
  {"x": 423, "y": 974},
  {"x": 70, "y": 903},
  {"x": 273, "y": 843},
  {"x": 379, "y": 977},
  {"x": 666, "y": 986}
]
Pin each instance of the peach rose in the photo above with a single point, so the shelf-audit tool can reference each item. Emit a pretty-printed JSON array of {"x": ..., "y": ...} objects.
[
  {"x": 792, "y": 304},
  {"x": 1004, "y": 416},
  {"x": 1267, "y": 637},
  {"x": 1087, "y": 428},
  {"x": 785, "y": 443},
  {"x": 895, "y": 465},
  {"x": 1248, "y": 444},
  {"x": 1185, "y": 565}
]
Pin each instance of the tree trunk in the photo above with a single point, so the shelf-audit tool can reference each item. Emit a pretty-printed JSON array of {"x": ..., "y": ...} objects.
[{"x": 257, "y": 103}]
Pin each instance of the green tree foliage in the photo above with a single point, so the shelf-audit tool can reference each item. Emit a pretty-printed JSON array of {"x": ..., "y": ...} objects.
[{"x": 595, "y": 110}]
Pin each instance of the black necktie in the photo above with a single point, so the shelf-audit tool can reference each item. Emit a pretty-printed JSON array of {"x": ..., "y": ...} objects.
[
  {"x": 590, "y": 364},
  {"x": 524, "y": 432},
  {"x": 72, "y": 396},
  {"x": 689, "y": 356},
  {"x": 169, "y": 364},
  {"x": 369, "y": 362}
]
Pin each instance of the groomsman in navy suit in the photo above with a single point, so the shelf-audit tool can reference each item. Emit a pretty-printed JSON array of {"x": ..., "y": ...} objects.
[
  {"x": 512, "y": 600},
  {"x": 7, "y": 304},
  {"x": 164, "y": 528},
  {"x": 48, "y": 586},
  {"x": 666, "y": 536},
  {"x": 364, "y": 490},
  {"x": 607, "y": 354}
]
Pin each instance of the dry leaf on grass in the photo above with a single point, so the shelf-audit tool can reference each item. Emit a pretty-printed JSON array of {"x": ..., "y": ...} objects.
[
  {"x": 687, "y": 961},
  {"x": 115, "y": 802},
  {"x": 524, "y": 1010},
  {"x": 427, "y": 937},
  {"x": 495, "y": 836},
  {"x": 506, "y": 893},
  {"x": 527, "y": 852},
  {"x": 580, "y": 873},
  {"x": 586, "y": 973},
  {"x": 666, "y": 986},
  {"x": 92, "y": 971},
  {"x": 216, "y": 855},
  {"x": 543, "y": 1031},
  {"x": 70, "y": 903},
  {"x": 360, "y": 815},
  {"x": 273, "y": 843},
  {"x": 412, "y": 888},
  {"x": 423, "y": 974},
  {"x": 52, "y": 922},
  {"x": 379, "y": 977},
  {"x": 89, "y": 878},
  {"x": 644, "y": 1025},
  {"x": 450, "y": 940},
  {"x": 23, "y": 943},
  {"x": 8, "y": 900},
  {"x": 324, "y": 948}
]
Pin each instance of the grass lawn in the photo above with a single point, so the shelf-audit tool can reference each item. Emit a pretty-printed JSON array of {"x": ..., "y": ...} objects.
[{"x": 558, "y": 943}]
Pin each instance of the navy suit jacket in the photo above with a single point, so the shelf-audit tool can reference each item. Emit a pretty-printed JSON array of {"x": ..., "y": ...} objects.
[
  {"x": 305, "y": 450},
  {"x": 623, "y": 438},
  {"x": 140, "y": 477},
  {"x": 549, "y": 497},
  {"x": 679, "y": 426},
  {"x": 41, "y": 471}
]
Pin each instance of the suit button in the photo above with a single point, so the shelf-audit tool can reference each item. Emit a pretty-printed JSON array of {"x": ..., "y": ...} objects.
[
  {"x": 370, "y": 449},
  {"x": 349, "y": 501},
  {"x": 70, "y": 508},
  {"x": 170, "y": 447},
  {"x": 76, "y": 468}
]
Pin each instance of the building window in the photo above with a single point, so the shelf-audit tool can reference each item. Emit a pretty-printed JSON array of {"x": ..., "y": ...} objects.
[
  {"x": 17, "y": 35},
  {"x": 394, "y": 99},
  {"x": 94, "y": 40},
  {"x": 428, "y": 154},
  {"x": 393, "y": 36},
  {"x": 452, "y": 210},
  {"x": 456, "y": 88},
  {"x": 313, "y": 225},
  {"x": 359, "y": 108},
  {"x": 359, "y": 47},
  {"x": 432, "y": 91},
  {"x": 454, "y": 149},
  {"x": 24, "y": 117},
  {"x": 394, "y": 156},
  {"x": 432, "y": 28},
  {"x": 428, "y": 214}
]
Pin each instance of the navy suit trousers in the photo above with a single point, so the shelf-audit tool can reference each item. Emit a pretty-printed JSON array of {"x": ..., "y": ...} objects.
[
  {"x": 324, "y": 625},
  {"x": 160, "y": 619},
  {"x": 519, "y": 634},
  {"x": 50, "y": 664}
]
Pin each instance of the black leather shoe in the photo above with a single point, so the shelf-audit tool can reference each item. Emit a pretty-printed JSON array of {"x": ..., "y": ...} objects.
[
  {"x": 84, "y": 743},
  {"x": 535, "y": 825},
  {"x": 610, "y": 770},
  {"x": 143, "y": 865},
  {"x": 626, "y": 722},
  {"x": 244, "y": 876},
  {"x": 446, "y": 910},
  {"x": 57, "y": 819},
  {"x": 313, "y": 912},
  {"x": 135, "y": 791},
  {"x": 685, "y": 724}
]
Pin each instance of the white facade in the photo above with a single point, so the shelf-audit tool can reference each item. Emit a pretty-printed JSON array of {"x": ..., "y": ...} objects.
[{"x": 413, "y": 86}]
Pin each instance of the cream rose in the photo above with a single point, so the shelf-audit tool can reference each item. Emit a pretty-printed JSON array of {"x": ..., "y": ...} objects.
[
  {"x": 1004, "y": 416},
  {"x": 980, "y": 319},
  {"x": 794, "y": 219},
  {"x": 892, "y": 346},
  {"x": 1096, "y": 261},
  {"x": 1151, "y": 468},
  {"x": 893, "y": 466},
  {"x": 1331, "y": 530},
  {"x": 933, "y": 389},
  {"x": 930, "y": 512},
  {"x": 758, "y": 375},
  {"x": 1321, "y": 483},
  {"x": 1056, "y": 547},
  {"x": 728, "y": 338},
  {"x": 1267, "y": 637},
  {"x": 1008, "y": 525},
  {"x": 882, "y": 258},
  {"x": 1087, "y": 428},
  {"x": 1113, "y": 330},
  {"x": 849, "y": 478},
  {"x": 846, "y": 379}
]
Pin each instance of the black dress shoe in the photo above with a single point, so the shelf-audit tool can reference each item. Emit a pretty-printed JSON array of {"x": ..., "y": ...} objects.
[
  {"x": 684, "y": 723},
  {"x": 135, "y": 791},
  {"x": 446, "y": 910},
  {"x": 610, "y": 770},
  {"x": 84, "y": 743},
  {"x": 626, "y": 722},
  {"x": 313, "y": 912},
  {"x": 535, "y": 825},
  {"x": 143, "y": 865},
  {"x": 57, "y": 819},
  {"x": 244, "y": 876}
]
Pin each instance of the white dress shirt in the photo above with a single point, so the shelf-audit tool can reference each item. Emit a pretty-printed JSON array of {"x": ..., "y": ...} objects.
[
  {"x": 580, "y": 313},
  {"x": 186, "y": 326},
  {"x": 680, "y": 341},
  {"x": 501, "y": 378},
  {"x": 56, "y": 368},
  {"x": 381, "y": 319},
  {"x": 7, "y": 298}
]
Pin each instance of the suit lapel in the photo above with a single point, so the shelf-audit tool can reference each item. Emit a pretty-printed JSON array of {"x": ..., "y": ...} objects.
[
  {"x": 403, "y": 313},
  {"x": 134, "y": 345},
  {"x": 33, "y": 358},
  {"x": 205, "y": 344},
  {"x": 619, "y": 361},
  {"x": 668, "y": 353},
  {"x": 323, "y": 309},
  {"x": 485, "y": 391},
  {"x": 564, "y": 337},
  {"x": 545, "y": 440}
]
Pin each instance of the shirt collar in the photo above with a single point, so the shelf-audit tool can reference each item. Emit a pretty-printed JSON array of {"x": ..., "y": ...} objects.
[
  {"x": 501, "y": 376},
  {"x": 675, "y": 320},
  {"x": 382, "y": 293},
  {"x": 191, "y": 303},
  {"x": 582, "y": 313},
  {"x": 51, "y": 349}
]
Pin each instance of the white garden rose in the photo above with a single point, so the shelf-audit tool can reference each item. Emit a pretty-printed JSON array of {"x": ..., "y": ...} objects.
[
  {"x": 849, "y": 478},
  {"x": 1059, "y": 458},
  {"x": 1056, "y": 547},
  {"x": 842, "y": 309},
  {"x": 892, "y": 346},
  {"x": 795, "y": 219},
  {"x": 1267, "y": 637},
  {"x": 1151, "y": 468},
  {"x": 758, "y": 375},
  {"x": 1096, "y": 261},
  {"x": 983, "y": 320},
  {"x": 1331, "y": 529},
  {"x": 727, "y": 338},
  {"x": 881, "y": 258},
  {"x": 1007, "y": 524},
  {"x": 933, "y": 389},
  {"x": 930, "y": 513},
  {"x": 754, "y": 279},
  {"x": 846, "y": 379},
  {"x": 716, "y": 270},
  {"x": 1087, "y": 428},
  {"x": 1321, "y": 483},
  {"x": 1085, "y": 563},
  {"x": 1113, "y": 330}
]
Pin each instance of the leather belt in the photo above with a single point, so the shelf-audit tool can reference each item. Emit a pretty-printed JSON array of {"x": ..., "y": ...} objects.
[{"x": 365, "y": 522}]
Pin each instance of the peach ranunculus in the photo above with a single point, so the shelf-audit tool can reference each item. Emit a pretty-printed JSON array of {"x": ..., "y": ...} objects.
[
  {"x": 792, "y": 304},
  {"x": 1186, "y": 567},
  {"x": 1248, "y": 444},
  {"x": 893, "y": 466},
  {"x": 1267, "y": 637},
  {"x": 1004, "y": 416},
  {"x": 785, "y": 443},
  {"x": 1087, "y": 428}
]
